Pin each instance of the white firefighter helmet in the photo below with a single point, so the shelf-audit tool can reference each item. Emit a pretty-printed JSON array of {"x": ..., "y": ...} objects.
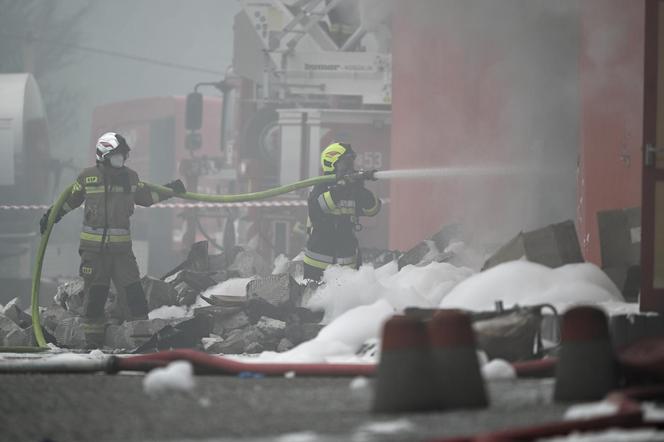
[{"x": 110, "y": 143}]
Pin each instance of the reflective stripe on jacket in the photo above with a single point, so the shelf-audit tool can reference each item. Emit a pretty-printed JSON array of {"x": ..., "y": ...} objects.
[
  {"x": 109, "y": 194},
  {"x": 333, "y": 213}
]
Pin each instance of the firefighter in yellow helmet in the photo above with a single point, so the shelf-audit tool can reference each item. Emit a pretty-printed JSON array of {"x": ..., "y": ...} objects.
[
  {"x": 109, "y": 189},
  {"x": 334, "y": 210}
]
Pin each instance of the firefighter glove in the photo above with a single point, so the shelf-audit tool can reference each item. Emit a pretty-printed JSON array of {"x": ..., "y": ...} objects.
[
  {"x": 176, "y": 186},
  {"x": 43, "y": 222}
]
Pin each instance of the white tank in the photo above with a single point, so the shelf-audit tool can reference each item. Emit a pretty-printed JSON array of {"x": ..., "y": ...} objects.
[{"x": 24, "y": 146}]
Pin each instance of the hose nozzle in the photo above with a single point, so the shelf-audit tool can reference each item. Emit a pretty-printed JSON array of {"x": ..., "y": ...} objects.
[{"x": 360, "y": 175}]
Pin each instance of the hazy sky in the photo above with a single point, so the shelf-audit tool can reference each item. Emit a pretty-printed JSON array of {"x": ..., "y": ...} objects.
[{"x": 195, "y": 33}]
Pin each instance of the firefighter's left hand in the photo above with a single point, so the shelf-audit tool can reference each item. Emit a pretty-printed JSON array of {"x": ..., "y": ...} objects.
[{"x": 176, "y": 186}]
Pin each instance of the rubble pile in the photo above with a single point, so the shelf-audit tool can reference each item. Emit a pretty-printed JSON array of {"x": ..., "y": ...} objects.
[
  {"x": 191, "y": 308},
  {"x": 269, "y": 316}
]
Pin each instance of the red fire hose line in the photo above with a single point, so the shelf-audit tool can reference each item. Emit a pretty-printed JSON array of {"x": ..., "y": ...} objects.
[{"x": 207, "y": 364}]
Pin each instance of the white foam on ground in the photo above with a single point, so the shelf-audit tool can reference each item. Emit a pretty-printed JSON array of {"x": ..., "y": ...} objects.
[
  {"x": 357, "y": 302},
  {"x": 176, "y": 376},
  {"x": 591, "y": 410},
  {"x": 387, "y": 427},
  {"x": 359, "y": 383},
  {"x": 97, "y": 354},
  {"x": 66, "y": 358},
  {"x": 652, "y": 412},
  {"x": 303, "y": 436},
  {"x": 528, "y": 283},
  {"x": 614, "y": 435},
  {"x": 341, "y": 338},
  {"x": 346, "y": 288},
  {"x": 170, "y": 311},
  {"x": 498, "y": 369}
]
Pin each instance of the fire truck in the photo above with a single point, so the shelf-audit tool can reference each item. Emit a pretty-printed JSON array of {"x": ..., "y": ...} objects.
[{"x": 305, "y": 73}]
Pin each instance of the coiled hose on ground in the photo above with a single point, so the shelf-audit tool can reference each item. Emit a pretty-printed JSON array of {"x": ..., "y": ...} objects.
[{"x": 254, "y": 196}]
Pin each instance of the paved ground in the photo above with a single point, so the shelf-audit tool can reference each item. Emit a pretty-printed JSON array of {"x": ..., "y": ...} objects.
[{"x": 105, "y": 407}]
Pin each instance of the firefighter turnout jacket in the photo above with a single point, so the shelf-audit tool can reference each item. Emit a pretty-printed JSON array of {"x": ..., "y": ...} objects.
[
  {"x": 109, "y": 194},
  {"x": 333, "y": 214}
]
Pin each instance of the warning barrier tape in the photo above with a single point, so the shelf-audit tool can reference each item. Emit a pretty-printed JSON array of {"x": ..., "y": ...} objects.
[{"x": 292, "y": 203}]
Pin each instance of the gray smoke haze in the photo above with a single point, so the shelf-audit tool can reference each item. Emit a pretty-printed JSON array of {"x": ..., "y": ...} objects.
[
  {"x": 508, "y": 95},
  {"x": 116, "y": 50},
  {"x": 191, "y": 34}
]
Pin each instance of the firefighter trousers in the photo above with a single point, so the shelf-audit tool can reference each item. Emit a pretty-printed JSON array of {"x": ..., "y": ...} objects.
[{"x": 98, "y": 269}]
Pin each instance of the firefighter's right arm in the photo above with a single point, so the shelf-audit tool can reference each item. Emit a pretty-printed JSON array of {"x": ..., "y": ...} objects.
[
  {"x": 336, "y": 201},
  {"x": 75, "y": 199}
]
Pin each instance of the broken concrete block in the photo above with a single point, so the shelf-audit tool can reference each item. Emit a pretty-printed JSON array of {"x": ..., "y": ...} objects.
[
  {"x": 254, "y": 347},
  {"x": 433, "y": 249},
  {"x": 231, "y": 344},
  {"x": 238, "y": 320},
  {"x": 185, "y": 294},
  {"x": 304, "y": 315},
  {"x": 378, "y": 257},
  {"x": 284, "y": 345},
  {"x": 417, "y": 253},
  {"x": 273, "y": 329},
  {"x": 258, "y": 307},
  {"x": 53, "y": 315},
  {"x": 445, "y": 236},
  {"x": 69, "y": 295},
  {"x": 17, "y": 338},
  {"x": 179, "y": 334},
  {"x": 240, "y": 341},
  {"x": 278, "y": 290},
  {"x": 209, "y": 342},
  {"x": 16, "y": 314},
  {"x": 70, "y": 333},
  {"x": 249, "y": 263},
  {"x": 158, "y": 293},
  {"x": 131, "y": 334},
  {"x": 252, "y": 336},
  {"x": 298, "y": 333},
  {"x": 217, "y": 316},
  {"x": 552, "y": 246},
  {"x": 7, "y": 328}
]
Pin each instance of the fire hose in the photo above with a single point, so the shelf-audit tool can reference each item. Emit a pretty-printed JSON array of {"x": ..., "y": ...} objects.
[{"x": 254, "y": 196}]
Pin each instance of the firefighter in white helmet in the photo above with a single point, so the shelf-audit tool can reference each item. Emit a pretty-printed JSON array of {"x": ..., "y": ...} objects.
[
  {"x": 109, "y": 189},
  {"x": 334, "y": 210}
]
